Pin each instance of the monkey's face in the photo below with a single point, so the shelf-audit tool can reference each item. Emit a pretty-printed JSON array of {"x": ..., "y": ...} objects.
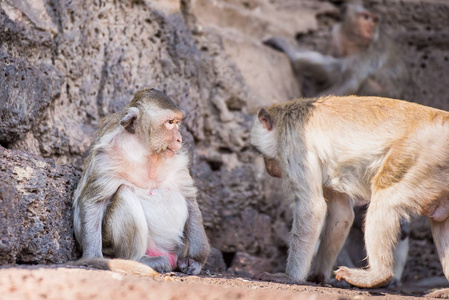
[
  {"x": 367, "y": 24},
  {"x": 164, "y": 136},
  {"x": 155, "y": 128},
  {"x": 263, "y": 134},
  {"x": 263, "y": 137}
]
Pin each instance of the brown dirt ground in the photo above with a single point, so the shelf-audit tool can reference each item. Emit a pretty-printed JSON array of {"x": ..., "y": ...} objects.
[{"x": 67, "y": 282}]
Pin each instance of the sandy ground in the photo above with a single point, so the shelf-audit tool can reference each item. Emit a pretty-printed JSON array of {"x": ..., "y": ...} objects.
[{"x": 56, "y": 282}]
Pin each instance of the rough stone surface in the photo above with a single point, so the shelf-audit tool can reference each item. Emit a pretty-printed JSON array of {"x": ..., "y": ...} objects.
[
  {"x": 215, "y": 262},
  {"x": 57, "y": 282},
  {"x": 247, "y": 265},
  {"x": 86, "y": 59},
  {"x": 35, "y": 222},
  {"x": 26, "y": 88}
]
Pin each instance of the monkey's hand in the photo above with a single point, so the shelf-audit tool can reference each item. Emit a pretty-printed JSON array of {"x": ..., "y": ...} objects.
[
  {"x": 275, "y": 43},
  {"x": 189, "y": 266},
  {"x": 278, "y": 278}
]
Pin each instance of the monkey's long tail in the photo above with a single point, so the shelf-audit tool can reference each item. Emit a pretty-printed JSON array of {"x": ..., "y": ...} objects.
[{"x": 118, "y": 265}]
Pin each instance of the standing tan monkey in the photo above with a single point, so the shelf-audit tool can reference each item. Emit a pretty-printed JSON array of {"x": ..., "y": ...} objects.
[
  {"x": 393, "y": 153},
  {"x": 136, "y": 199},
  {"x": 362, "y": 59}
]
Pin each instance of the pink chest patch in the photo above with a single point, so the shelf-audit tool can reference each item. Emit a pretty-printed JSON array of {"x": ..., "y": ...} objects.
[{"x": 172, "y": 258}]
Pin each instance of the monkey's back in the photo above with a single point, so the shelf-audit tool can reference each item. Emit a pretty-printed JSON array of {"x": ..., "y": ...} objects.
[{"x": 374, "y": 113}]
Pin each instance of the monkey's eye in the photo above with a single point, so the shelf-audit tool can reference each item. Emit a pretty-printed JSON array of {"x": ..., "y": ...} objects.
[
  {"x": 170, "y": 124},
  {"x": 364, "y": 16}
]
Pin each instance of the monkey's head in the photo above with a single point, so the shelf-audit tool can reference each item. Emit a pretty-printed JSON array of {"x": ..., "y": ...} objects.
[
  {"x": 263, "y": 137},
  {"x": 154, "y": 119},
  {"x": 359, "y": 23}
]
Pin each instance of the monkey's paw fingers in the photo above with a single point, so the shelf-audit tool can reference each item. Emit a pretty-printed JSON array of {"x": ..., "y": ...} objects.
[
  {"x": 342, "y": 273},
  {"x": 189, "y": 266},
  {"x": 442, "y": 294},
  {"x": 278, "y": 278},
  {"x": 274, "y": 42}
]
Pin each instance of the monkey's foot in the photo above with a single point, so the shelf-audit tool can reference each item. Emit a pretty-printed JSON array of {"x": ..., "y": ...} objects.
[
  {"x": 278, "y": 278},
  {"x": 442, "y": 294},
  {"x": 316, "y": 278},
  {"x": 339, "y": 284},
  {"x": 362, "y": 278},
  {"x": 189, "y": 266},
  {"x": 160, "y": 263}
]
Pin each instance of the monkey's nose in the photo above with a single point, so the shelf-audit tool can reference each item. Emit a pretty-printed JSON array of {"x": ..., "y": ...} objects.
[{"x": 178, "y": 137}]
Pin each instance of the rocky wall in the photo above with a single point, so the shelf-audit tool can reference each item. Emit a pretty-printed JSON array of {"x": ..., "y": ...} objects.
[
  {"x": 35, "y": 209},
  {"x": 76, "y": 62}
]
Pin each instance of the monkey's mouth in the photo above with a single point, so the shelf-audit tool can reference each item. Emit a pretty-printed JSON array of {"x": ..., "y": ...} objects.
[{"x": 169, "y": 153}]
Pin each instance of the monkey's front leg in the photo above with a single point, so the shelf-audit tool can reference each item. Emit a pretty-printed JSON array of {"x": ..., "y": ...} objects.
[
  {"x": 309, "y": 216},
  {"x": 197, "y": 249},
  {"x": 340, "y": 216},
  {"x": 308, "y": 219},
  {"x": 91, "y": 215}
]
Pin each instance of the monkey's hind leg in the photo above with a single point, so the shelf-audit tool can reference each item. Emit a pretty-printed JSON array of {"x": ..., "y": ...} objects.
[
  {"x": 382, "y": 227},
  {"x": 440, "y": 234},
  {"x": 124, "y": 229}
]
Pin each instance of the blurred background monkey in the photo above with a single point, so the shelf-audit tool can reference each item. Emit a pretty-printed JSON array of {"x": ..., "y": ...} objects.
[
  {"x": 361, "y": 59},
  {"x": 136, "y": 199}
]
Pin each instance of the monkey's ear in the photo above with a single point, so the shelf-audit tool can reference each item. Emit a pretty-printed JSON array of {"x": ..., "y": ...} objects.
[
  {"x": 128, "y": 121},
  {"x": 266, "y": 119}
]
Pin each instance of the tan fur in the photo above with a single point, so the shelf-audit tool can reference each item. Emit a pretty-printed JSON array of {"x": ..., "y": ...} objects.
[
  {"x": 136, "y": 199},
  {"x": 393, "y": 153},
  {"x": 393, "y": 170}
]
